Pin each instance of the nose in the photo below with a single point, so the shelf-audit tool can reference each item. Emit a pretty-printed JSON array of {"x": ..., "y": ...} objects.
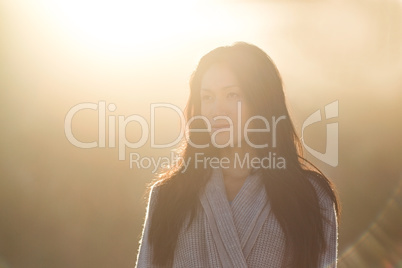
[{"x": 219, "y": 107}]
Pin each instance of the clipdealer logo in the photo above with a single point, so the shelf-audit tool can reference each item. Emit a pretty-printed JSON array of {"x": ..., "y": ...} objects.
[
  {"x": 122, "y": 124},
  {"x": 148, "y": 131},
  {"x": 332, "y": 144}
]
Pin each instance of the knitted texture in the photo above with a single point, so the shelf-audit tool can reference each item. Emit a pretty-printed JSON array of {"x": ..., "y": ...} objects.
[{"x": 240, "y": 234}]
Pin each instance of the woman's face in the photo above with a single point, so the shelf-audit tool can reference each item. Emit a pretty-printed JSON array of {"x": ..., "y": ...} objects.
[{"x": 224, "y": 106}]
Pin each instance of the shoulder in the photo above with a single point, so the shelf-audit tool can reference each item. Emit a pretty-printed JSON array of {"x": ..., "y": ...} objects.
[
  {"x": 153, "y": 193},
  {"x": 327, "y": 197},
  {"x": 324, "y": 189},
  {"x": 151, "y": 197}
]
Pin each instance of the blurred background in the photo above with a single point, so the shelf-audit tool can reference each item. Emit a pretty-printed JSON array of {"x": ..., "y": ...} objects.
[{"x": 64, "y": 206}]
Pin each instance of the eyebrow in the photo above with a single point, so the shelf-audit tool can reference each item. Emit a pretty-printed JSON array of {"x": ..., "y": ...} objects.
[{"x": 223, "y": 88}]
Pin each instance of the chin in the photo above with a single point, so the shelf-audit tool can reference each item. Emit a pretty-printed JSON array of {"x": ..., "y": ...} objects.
[{"x": 224, "y": 138}]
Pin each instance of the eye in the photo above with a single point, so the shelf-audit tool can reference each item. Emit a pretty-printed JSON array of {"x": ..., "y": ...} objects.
[{"x": 206, "y": 97}]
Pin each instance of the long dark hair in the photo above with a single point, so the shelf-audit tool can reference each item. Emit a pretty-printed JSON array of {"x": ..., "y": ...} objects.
[{"x": 293, "y": 198}]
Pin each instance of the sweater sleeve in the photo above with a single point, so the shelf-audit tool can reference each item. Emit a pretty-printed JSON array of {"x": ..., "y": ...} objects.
[
  {"x": 329, "y": 258},
  {"x": 144, "y": 251}
]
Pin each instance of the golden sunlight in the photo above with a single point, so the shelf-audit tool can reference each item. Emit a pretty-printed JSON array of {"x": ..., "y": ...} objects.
[
  {"x": 119, "y": 26},
  {"x": 84, "y": 206}
]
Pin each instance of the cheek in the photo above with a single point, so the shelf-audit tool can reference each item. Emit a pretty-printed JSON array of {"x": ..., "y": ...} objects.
[
  {"x": 203, "y": 110},
  {"x": 205, "y": 113}
]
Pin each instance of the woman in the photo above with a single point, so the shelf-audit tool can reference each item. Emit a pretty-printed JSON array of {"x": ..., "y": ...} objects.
[{"x": 241, "y": 195}]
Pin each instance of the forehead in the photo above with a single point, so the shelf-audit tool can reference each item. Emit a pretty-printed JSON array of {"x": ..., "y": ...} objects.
[{"x": 218, "y": 77}]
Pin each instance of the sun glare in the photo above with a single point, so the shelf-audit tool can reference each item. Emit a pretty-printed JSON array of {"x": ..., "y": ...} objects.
[{"x": 121, "y": 25}]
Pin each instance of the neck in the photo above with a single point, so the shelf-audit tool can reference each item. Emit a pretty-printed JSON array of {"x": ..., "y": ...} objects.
[{"x": 234, "y": 170}]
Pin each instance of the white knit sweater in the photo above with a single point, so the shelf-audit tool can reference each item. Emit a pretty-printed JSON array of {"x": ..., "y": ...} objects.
[{"x": 241, "y": 234}]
